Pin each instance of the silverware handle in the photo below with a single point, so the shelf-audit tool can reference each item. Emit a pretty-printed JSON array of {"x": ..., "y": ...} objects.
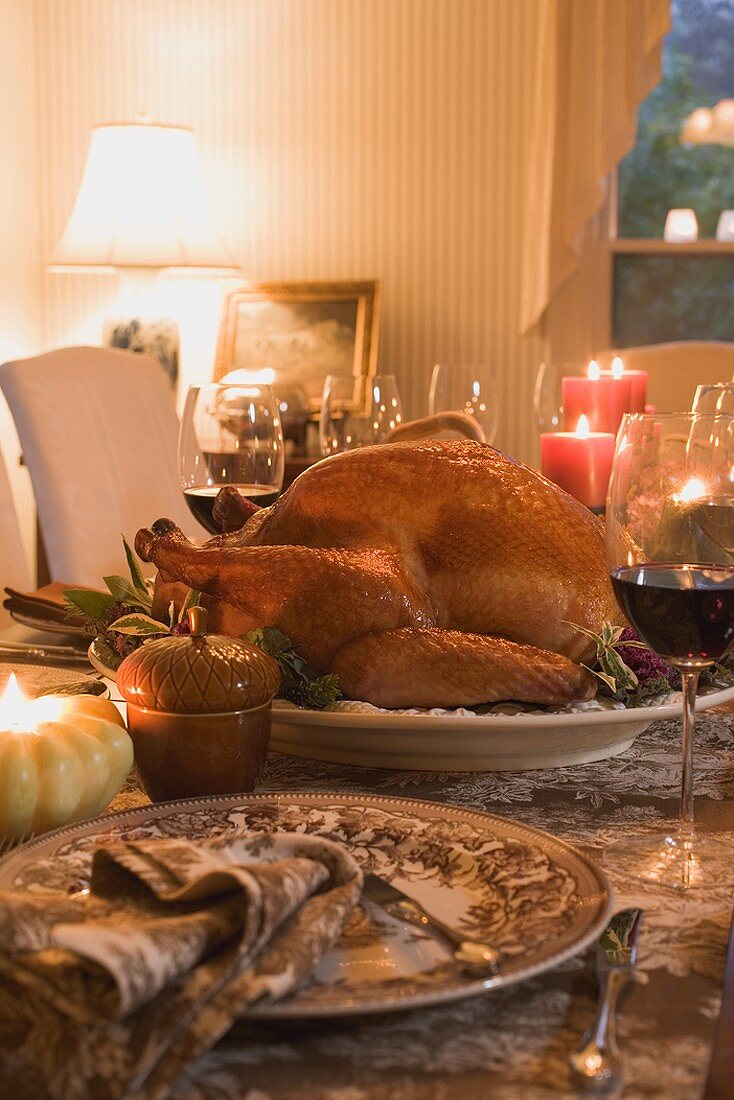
[
  {"x": 598, "y": 1059},
  {"x": 604, "y": 1028}
]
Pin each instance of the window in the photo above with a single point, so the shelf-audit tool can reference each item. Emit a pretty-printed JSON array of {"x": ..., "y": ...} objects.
[{"x": 666, "y": 291}]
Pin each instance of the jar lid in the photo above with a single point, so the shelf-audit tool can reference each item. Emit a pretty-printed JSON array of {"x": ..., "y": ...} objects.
[{"x": 198, "y": 673}]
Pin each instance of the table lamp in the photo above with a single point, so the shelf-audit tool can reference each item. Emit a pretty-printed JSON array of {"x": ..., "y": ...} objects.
[{"x": 141, "y": 207}]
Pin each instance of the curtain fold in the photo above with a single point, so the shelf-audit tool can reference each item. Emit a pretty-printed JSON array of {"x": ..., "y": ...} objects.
[{"x": 597, "y": 60}]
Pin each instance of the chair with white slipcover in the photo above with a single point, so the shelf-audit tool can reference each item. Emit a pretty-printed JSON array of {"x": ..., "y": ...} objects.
[
  {"x": 14, "y": 568},
  {"x": 676, "y": 369},
  {"x": 98, "y": 430}
]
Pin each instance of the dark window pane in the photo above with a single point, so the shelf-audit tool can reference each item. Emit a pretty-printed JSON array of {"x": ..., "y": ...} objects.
[
  {"x": 660, "y": 173},
  {"x": 659, "y": 298}
]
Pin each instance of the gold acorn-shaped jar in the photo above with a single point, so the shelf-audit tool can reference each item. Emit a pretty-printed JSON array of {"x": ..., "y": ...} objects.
[{"x": 199, "y": 711}]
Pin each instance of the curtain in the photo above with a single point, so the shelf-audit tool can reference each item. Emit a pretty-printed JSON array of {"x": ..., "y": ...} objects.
[{"x": 597, "y": 60}]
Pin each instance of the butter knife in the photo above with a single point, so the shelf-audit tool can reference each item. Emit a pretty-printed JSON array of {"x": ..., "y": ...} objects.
[
  {"x": 476, "y": 958},
  {"x": 596, "y": 1063}
]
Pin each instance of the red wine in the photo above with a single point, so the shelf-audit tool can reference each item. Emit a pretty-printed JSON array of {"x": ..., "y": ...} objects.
[
  {"x": 684, "y": 612},
  {"x": 201, "y": 501}
]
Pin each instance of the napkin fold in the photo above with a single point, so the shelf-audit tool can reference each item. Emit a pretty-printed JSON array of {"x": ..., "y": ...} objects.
[
  {"x": 109, "y": 994},
  {"x": 45, "y": 603}
]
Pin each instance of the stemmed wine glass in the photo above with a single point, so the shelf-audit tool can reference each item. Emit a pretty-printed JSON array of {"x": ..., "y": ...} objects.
[
  {"x": 670, "y": 550},
  {"x": 467, "y": 389},
  {"x": 230, "y": 435},
  {"x": 346, "y": 424},
  {"x": 714, "y": 397}
]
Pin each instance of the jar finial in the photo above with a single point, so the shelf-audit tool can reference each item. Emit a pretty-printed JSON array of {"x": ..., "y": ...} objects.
[{"x": 197, "y": 621}]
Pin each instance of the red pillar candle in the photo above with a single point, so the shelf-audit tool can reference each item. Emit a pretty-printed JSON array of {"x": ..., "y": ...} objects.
[
  {"x": 602, "y": 400},
  {"x": 579, "y": 462},
  {"x": 638, "y": 380}
]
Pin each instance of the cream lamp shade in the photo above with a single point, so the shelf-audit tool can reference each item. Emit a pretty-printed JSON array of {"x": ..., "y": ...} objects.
[{"x": 141, "y": 204}]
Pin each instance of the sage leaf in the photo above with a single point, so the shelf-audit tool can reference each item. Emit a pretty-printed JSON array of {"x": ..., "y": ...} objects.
[
  {"x": 138, "y": 625},
  {"x": 123, "y": 591}
]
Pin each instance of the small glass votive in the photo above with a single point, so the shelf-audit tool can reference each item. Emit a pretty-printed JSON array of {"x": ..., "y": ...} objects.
[
  {"x": 681, "y": 226},
  {"x": 725, "y": 226}
]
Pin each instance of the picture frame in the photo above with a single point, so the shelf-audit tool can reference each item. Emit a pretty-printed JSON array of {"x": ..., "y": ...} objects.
[{"x": 302, "y": 331}]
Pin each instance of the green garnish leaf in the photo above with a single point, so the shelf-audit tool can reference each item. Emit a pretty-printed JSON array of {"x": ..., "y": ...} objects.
[
  {"x": 92, "y": 604},
  {"x": 136, "y": 574},
  {"x": 124, "y": 591},
  {"x": 138, "y": 625},
  {"x": 617, "y": 676},
  {"x": 300, "y": 683}
]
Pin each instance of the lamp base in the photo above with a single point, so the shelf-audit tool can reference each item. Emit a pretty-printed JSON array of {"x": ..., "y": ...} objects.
[{"x": 156, "y": 336}]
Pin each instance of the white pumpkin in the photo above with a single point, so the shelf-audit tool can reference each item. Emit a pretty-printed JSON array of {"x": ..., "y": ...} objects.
[{"x": 63, "y": 758}]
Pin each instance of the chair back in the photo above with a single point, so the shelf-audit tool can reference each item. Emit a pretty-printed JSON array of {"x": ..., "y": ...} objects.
[
  {"x": 14, "y": 568},
  {"x": 98, "y": 431},
  {"x": 676, "y": 369}
]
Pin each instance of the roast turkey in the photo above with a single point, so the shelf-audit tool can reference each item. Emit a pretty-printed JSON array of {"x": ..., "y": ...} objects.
[{"x": 423, "y": 574}]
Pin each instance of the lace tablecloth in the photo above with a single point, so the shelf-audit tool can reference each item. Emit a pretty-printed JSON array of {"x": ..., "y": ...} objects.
[{"x": 513, "y": 1044}]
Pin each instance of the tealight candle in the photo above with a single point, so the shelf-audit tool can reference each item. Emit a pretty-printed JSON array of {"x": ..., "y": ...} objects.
[
  {"x": 681, "y": 226},
  {"x": 725, "y": 226},
  {"x": 579, "y": 462},
  {"x": 602, "y": 398}
]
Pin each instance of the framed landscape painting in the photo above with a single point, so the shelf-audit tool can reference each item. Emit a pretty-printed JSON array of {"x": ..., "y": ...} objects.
[{"x": 302, "y": 332}]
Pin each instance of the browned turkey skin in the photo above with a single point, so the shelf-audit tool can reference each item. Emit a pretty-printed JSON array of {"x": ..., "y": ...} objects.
[{"x": 424, "y": 574}]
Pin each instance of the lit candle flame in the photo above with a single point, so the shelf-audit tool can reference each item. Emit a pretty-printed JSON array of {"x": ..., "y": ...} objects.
[
  {"x": 264, "y": 377},
  {"x": 617, "y": 367},
  {"x": 14, "y": 706},
  {"x": 582, "y": 428},
  {"x": 693, "y": 489},
  {"x": 19, "y": 714},
  {"x": 593, "y": 371}
]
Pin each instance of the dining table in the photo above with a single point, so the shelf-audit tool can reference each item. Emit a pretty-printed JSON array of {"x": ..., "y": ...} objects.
[{"x": 512, "y": 1043}]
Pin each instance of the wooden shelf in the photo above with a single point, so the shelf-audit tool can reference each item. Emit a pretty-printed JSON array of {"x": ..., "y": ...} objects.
[{"x": 630, "y": 246}]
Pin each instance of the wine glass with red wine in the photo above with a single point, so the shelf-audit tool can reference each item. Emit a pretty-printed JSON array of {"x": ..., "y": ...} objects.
[
  {"x": 230, "y": 435},
  {"x": 670, "y": 549}
]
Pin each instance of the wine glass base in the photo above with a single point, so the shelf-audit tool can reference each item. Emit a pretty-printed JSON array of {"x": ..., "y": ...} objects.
[{"x": 683, "y": 863}]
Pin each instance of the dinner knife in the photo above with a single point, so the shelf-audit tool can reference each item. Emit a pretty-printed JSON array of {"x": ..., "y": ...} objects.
[
  {"x": 597, "y": 1063},
  {"x": 476, "y": 958}
]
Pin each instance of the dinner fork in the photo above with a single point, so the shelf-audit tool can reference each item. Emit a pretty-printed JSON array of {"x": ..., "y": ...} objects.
[
  {"x": 475, "y": 957},
  {"x": 596, "y": 1063}
]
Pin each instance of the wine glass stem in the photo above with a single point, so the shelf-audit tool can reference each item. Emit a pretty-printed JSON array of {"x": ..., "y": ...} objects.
[{"x": 690, "y": 688}]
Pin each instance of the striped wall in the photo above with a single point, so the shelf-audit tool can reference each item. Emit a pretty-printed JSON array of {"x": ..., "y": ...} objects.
[{"x": 339, "y": 138}]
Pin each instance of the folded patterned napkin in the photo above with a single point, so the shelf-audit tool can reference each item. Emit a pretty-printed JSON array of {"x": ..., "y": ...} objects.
[
  {"x": 111, "y": 993},
  {"x": 46, "y": 603}
]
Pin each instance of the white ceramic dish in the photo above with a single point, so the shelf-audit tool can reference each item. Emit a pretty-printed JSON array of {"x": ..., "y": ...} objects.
[
  {"x": 460, "y": 742},
  {"x": 537, "y": 899},
  {"x": 467, "y": 742},
  {"x": 50, "y": 626}
]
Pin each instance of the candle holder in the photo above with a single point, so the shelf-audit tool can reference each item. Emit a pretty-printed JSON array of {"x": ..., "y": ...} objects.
[
  {"x": 681, "y": 226},
  {"x": 199, "y": 712}
]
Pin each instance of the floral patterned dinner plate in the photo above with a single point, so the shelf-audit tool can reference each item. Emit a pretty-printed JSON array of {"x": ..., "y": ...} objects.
[{"x": 536, "y": 898}]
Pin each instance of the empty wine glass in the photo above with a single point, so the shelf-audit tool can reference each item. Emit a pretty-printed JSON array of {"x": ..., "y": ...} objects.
[
  {"x": 230, "y": 435},
  {"x": 547, "y": 399},
  {"x": 715, "y": 397},
  {"x": 670, "y": 537},
  {"x": 466, "y": 389},
  {"x": 348, "y": 421}
]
